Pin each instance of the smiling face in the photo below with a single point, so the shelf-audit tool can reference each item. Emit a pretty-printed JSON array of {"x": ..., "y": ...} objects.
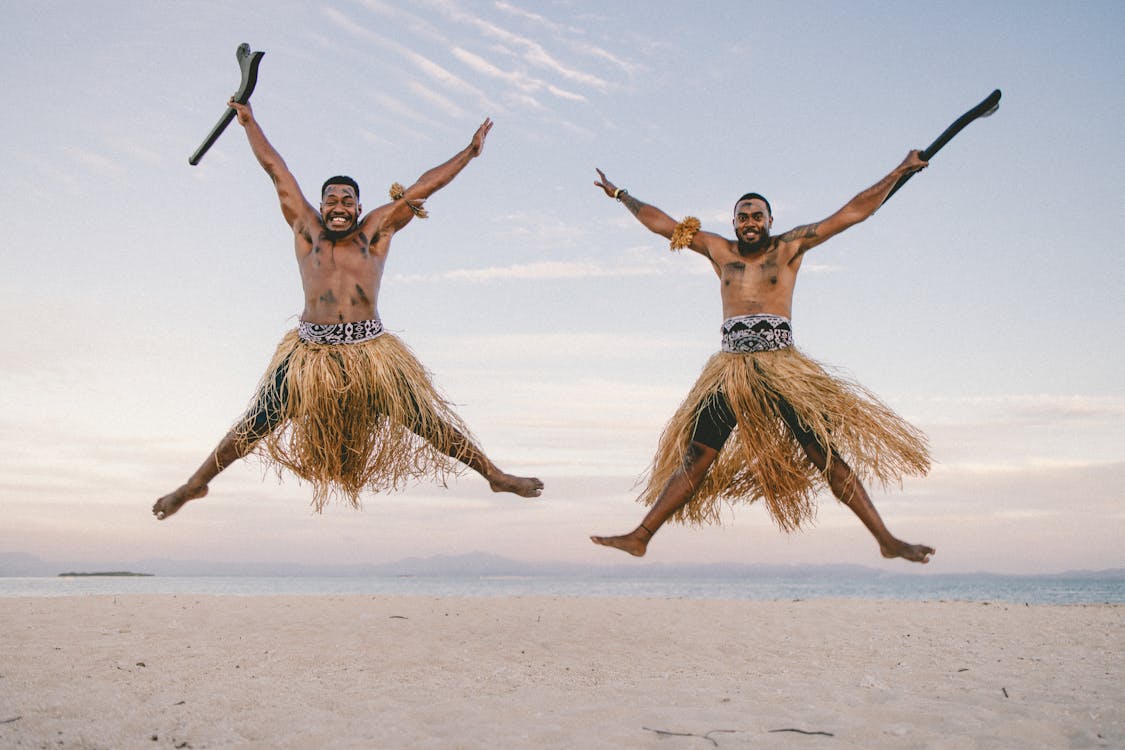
[
  {"x": 752, "y": 222},
  {"x": 339, "y": 208}
]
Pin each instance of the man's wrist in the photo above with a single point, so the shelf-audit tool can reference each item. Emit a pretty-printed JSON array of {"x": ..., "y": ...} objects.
[{"x": 618, "y": 193}]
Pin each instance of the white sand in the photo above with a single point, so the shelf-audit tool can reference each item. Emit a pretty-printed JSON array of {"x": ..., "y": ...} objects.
[{"x": 417, "y": 672}]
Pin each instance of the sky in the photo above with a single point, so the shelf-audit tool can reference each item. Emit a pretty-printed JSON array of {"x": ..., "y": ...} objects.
[{"x": 144, "y": 297}]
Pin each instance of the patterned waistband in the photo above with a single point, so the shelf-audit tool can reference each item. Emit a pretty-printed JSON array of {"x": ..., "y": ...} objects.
[
  {"x": 756, "y": 333},
  {"x": 340, "y": 333}
]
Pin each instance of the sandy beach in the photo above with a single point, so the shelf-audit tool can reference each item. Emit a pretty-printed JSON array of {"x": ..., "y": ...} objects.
[{"x": 191, "y": 671}]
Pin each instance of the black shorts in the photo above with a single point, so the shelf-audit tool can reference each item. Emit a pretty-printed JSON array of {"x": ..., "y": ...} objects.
[
  {"x": 266, "y": 413},
  {"x": 716, "y": 421}
]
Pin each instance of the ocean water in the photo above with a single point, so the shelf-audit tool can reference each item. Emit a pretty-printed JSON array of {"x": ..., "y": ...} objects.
[{"x": 980, "y": 587}]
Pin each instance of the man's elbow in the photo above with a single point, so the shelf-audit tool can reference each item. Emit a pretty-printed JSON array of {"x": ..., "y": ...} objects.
[{"x": 856, "y": 216}]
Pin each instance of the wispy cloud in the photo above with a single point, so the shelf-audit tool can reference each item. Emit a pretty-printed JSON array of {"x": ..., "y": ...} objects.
[
  {"x": 519, "y": 80},
  {"x": 545, "y": 270},
  {"x": 564, "y": 94},
  {"x": 1037, "y": 409},
  {"x": 529, "y": 16},
  {"x": 95, "y": 162},
  {"x": 565, "y": 34},
  {"x": 536, "y": 55},
  {"x": 594, "y": 51},
  {"x": 406, "y": 20},
  {"x": 561, "y": 31},
  {"x": 396, "y": 106},
  {"x": 443, "y": 103},
  {"x": 531, "y": 51},
  {"x": 431, "y": 69}
]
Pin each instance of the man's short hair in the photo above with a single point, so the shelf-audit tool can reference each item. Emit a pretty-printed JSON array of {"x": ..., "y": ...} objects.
[
  {"x": 751, "y": 196},
  {"x": 340, "y": 179}
]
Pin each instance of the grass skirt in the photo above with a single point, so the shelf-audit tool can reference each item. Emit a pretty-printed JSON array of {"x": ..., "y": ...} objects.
[
  {"x": 357, "y": 416},
  {"x": 762, "y": 459}
]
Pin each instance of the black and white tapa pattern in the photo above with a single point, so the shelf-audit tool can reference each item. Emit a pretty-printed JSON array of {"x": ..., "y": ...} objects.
[
  {"x": 340, "y": 333},
  {"x": 756, "y": 333}
]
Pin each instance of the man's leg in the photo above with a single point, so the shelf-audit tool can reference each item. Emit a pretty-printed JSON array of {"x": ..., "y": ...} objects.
[
  {"x": 713, "y": 426},
  {"x": 467, "y": 452},
  {"x": 229, "y": 450},
  {"x": 674, "y": 496},
  {"x": 265, "y": 416},
  {"x": 849, "y": 490}
]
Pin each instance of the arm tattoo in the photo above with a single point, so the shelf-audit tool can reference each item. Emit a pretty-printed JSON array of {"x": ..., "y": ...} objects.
[
  {"x": 807, "y": 232},
  {"x": 631, "y": 203}
]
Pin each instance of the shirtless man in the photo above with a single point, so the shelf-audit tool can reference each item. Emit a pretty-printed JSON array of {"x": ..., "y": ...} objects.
[
  {"x": 378, "y": 422},
  {"x": 783, "y": 404}
]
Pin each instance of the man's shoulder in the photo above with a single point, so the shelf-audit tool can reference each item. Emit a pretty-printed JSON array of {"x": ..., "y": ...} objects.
[
  {"x": 378, "y": 220},
  {"x": 719, "y": 245}
]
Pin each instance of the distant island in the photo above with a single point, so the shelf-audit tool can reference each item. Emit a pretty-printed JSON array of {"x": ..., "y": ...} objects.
[{"x": 105, "y": 573}]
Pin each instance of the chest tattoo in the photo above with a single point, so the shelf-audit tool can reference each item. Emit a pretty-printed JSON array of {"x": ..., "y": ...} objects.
[
  {"x": 769, "y": 270},
  {"x": 736, "y": 269}
]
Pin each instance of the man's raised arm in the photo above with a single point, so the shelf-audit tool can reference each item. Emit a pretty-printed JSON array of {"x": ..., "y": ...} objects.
[
  {"x": 854, "y": 211},
  {"x": 294, "y": 207},
  {"x": 403, "y": 210},
  {"x": 652, "y": 217},
  {"x": 656, "y": 220}
]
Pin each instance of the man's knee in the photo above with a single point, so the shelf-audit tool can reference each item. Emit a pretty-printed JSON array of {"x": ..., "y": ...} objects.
[{"x": 698, "y": 457}]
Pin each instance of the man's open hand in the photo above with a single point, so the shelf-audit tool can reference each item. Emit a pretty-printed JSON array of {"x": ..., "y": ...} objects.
[
  {"x": 605, "y": 184},
  {"x": 477, "y": 144}
]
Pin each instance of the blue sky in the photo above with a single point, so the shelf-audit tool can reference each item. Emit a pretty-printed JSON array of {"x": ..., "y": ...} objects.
[{"x": 143, "y": 297}]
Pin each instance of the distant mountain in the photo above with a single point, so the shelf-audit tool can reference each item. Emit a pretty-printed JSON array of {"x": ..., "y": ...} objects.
[
  {"x": 21, "y": 564},
  {"x": 478, "y": 564}
]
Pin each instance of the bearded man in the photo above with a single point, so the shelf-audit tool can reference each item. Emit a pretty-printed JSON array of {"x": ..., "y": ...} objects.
[
  {"x": 764, "y": 421},
  {"x": 344, "y": 404}
]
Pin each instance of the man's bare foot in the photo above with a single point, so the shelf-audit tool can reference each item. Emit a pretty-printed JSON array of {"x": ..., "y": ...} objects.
[
  {"x": 635, "y": 542},
  {"x": 173, "y": 501},
  {"x": 522, "y": 486},
  {"x": 918, "y": 553}
]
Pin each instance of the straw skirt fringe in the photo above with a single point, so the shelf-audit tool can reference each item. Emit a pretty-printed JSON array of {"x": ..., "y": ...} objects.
[
  {"x": 359, "y": 416},
  {"x": 762, "y": 460}
]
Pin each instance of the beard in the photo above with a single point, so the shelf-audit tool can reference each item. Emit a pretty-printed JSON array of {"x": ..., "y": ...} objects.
[
  {"x": 758, "y": 245},
  {"x": 337, "y": 234}
]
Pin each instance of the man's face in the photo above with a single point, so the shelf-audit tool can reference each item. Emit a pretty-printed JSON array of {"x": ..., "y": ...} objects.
[
  {"x": 339, "y": 208},
  {"x": 752, "y": 222}
]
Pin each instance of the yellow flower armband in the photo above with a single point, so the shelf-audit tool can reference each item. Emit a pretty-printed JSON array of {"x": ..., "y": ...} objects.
[
  {"x": 684, "y": 233},
  {"x": 398, "y": 192}
]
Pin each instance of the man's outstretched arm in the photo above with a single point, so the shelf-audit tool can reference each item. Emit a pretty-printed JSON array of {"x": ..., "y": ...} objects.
[
  {"x": 854, "y": 211},
  {"x": 652, "y": 217},
  {"x": 437, "y": 178},
  {"x": 294, "y": 207}
]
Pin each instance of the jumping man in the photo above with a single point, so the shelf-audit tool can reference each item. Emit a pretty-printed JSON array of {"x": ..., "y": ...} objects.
[
  {"x": 764, "y": 421},
  {"x": 344, "y": 404}
]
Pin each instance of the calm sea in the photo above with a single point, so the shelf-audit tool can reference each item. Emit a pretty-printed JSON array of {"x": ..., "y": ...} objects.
[{"x": 1014, "y": 589}]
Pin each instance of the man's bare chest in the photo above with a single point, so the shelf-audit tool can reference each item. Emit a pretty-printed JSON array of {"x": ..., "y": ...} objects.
[
  {"x": 355, "y": 251},
  {"x": 763, "y": 275}
]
